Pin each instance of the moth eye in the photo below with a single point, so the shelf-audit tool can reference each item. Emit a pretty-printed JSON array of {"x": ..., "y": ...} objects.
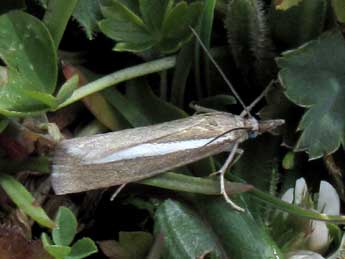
[{"x": 252, "y": 134}]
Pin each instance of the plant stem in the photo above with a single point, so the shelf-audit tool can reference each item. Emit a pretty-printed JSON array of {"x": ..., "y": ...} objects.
[
  {"x": 293, "y": 209},
  {"x": 120, "y": 76}
]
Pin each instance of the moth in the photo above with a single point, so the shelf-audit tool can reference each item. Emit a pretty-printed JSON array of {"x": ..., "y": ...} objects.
[{"x": 117, "y": 158}]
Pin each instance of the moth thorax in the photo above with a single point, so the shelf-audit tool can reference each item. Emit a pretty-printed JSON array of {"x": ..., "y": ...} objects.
[{"x": 253, "y": 124}]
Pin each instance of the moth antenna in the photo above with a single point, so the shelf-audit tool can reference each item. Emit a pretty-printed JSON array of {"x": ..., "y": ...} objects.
[
  {"x": 224, "y": 133},
  {"x": 246, "y": 110}
]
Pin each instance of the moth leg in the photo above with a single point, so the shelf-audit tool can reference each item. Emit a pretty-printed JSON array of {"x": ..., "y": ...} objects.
[
  {"x": 239, "y": 153},
  {"x": 199, "y": 108},
  {"x": 118, "y": 190},
  {"x": 222, "y": 172}
]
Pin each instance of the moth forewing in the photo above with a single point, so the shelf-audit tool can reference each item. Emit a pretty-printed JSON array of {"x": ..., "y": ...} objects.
[{"x": 104, "y": 160}]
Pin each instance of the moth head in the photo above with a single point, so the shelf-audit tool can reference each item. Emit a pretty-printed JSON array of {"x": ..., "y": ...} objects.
[{"x": 269, "y": 125}]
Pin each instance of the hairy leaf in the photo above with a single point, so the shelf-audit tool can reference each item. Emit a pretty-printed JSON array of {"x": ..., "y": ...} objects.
[
  {"x": 185, "y": 233},
  {"x": 314, "y": 79},
  {"x": 249, "y": 40}
]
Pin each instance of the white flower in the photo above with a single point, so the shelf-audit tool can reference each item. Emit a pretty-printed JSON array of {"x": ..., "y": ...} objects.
[
  {"x": 303, "y": 254},
  {"x": 318, "y": 239}
]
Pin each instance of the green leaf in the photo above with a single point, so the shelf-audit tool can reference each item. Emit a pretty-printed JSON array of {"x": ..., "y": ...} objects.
[
  {"x": 87, "y": 13},
  {"x": 24, "y": 200},
  {"x": 82, "y": 248},
  {"x": 153, "y": 12},
  {"x": 286, "y": 4},
  {"x": 124, "y": 26},
  {"x": 59, "y": 252},
  {"x": 57, "y": 16},
  {"x": 314, "y": 79},
  {"x": 176, "y": 26},
  {"x": 298, "y": 24},
  {"x": 137, "y": 243},
  {"x": 29, "y": 53},
  {"x": 67, "y": 88},
  {"x": 339, "y": 9},
  {"x": 185, "y": 234},
  {"x": 66, "y": 227},
  {"x": 164, "y": 30},
  {"x": 241, "y": 235}
]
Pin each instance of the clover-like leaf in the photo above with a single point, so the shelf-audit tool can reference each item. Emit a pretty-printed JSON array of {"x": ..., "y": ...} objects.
[
  {"x": 314, "y": 78},
  {"x": 28, "y": 50},
  {"x": 82, "y": 248},
  {"x": 157, "y": 25},
  {"x": 66, "y": 227}
]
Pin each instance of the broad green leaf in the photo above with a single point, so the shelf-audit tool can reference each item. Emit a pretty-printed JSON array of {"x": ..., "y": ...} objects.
[
  {"x": 137, "y": 243},
  {"x": 314, "y": 79},
  {"x": 29, "y": 53},
  {"x": 87, "y": 13},
  {"x": 124, "y": 26},
  {"x": 241, "y": 235},
  {"x": 185, "y": 233},
  {"x": 59, "y": 252},
  {"x": 57, "y": 16},
  {"x": 339, "y": 9},
  {"x": 24, "y": 200},
  {"x": 139, "y": 30},
  {"x": 298, "y": 24},
  {"x": 286, "y": 4},
  {"x": 153, "y": 13},
  {"x": 66, "y": 227},
  {"x": 176, "y": 26},
  {"x": 249, "y": 40},
  {"x": 82, "y": 249}
]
